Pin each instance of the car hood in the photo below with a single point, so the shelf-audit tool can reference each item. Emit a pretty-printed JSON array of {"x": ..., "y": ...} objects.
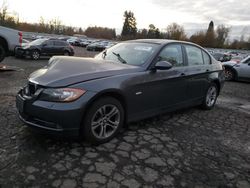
[
  {"x": 27, "y": 46},
  {"x": 64, "y": 71}
]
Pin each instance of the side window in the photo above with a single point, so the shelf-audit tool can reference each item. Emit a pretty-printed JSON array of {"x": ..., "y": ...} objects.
[
  {"x": 59, "y": 43},
  {"x": 49, "y": 43},
  {"x": 194, "y": 55},
  {"x": 173, "y": 54},
  {"x": 247, "y": 61},
  {"x": 206, "y": 58}
]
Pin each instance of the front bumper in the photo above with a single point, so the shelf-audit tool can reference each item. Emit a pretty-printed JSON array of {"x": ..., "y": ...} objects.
[
  {"x": 63, "y": 119},
  {"x": 20, "y": 52}
]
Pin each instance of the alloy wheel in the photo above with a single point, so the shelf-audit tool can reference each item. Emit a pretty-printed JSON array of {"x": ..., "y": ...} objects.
[
  {"x": 229, "y": 75},
  {"x": 211, "y": 96},
  {"x": 35, "y": 55},
  {"x": 105, "y": 121}
]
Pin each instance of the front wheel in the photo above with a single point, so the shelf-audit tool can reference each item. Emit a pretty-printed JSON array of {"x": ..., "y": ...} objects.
[
  {"x": 229, "y": 74},
  {"x": 66, "y": 53},
  {"x": 103, "y": 120},
  {"x": 211, "y": 97},
  {"x": 35, "y": 55}
]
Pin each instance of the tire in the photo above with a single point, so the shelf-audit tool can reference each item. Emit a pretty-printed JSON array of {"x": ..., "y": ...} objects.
[
  {"x": 229, "y": 74},
  {"x": 103, "y": 120},
  {"x": 35, "y": 54},
  {"x": 211, "y": 97},
  {"x": 66, "y": 53},
  {"x": 2, "y": 53}
]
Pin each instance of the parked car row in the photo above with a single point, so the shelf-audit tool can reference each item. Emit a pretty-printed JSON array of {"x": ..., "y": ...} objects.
[
  {"x": 100, "y": 46},
  {"x": 222, "y": 57},
  {"x": 58, "y": 46},
  {"x": 91, "y": 44}
]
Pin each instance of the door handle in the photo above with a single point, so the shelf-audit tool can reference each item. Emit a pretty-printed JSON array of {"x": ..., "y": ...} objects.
[
  {"x": 207, "y": 70},
  {"x": 183, "y": 74}
]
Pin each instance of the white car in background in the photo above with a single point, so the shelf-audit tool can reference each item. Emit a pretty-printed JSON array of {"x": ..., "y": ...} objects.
[
  {"x": 10, "y": 39},
  {"x": 237, "y": 71}
]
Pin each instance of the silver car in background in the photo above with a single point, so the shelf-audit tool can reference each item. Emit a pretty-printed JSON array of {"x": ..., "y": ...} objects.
[{"x": 237, "y": 71}]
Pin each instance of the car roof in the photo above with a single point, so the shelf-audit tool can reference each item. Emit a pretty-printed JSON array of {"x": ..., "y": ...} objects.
[{"x": 161, "y": 41}]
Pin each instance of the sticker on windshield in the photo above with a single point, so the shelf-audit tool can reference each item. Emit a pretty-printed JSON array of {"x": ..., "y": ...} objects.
[{"x": 143, "y": 48}]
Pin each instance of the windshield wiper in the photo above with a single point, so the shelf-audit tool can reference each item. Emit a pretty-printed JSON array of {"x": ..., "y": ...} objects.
[
  {"x": 120, "y": 58},
  {"x": 104, "y": 54}
]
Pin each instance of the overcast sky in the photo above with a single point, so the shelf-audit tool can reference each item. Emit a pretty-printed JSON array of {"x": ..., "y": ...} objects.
[{"x": 192, "y": 14}]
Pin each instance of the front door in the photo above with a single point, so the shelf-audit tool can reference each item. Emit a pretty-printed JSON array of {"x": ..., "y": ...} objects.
[
  {"x": 159, "y": 91},
  {"x": 243, "y": 69}
]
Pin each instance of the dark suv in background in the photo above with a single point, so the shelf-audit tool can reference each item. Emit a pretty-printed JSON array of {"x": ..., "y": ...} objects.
[{"x": 45, "y": 47}]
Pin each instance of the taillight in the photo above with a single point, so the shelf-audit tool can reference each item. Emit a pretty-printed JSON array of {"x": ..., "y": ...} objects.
[{"x": 20, "y": 37}]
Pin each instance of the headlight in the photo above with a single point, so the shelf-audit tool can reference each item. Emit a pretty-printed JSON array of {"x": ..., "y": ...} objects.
[{"x": 61, "y": 94}]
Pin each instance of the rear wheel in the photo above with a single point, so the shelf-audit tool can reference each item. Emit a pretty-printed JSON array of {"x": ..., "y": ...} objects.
[
  {"x": 2, "y": 53},
  {"x": 103, "y": 120},
  {"x": 66, "y": 53},
  {"x": 211, "y": 97},
  {"x": 35, "y": 55},
  {"x": 229, "y": 74}
]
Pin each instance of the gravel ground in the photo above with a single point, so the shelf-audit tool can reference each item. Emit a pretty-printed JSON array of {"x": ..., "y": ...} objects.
[{"x": 188, "y": 148}]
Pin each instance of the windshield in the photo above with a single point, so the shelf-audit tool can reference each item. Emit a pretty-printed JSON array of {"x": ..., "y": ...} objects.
[
  {"x": 129, "y": 53},
  {"x": 37, "y": 42},
  {"x": 245, "y": 60}
]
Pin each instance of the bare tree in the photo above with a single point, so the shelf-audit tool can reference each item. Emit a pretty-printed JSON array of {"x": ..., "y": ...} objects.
[
  {"x": 176, "y": 32},
  {"x": 222, "y": 34},
  {"x": 3, "y": 13}
]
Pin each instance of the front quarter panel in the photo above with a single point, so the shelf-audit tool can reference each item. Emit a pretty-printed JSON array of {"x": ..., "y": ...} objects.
[{"x": 122, "y": 85}]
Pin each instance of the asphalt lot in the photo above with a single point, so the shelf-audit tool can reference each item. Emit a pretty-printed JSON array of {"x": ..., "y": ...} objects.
[{"x": 188, "y": 148}]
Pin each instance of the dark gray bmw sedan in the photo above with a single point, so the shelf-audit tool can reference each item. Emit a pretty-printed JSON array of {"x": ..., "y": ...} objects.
[{"x": 95, "y": 97}]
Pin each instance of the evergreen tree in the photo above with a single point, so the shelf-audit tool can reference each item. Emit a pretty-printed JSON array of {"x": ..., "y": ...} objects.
[
  {"x": 210, "y": 36},
  {"x": 129, "y": 29},
  {"x": 210, "y": 27},
  {"x": 153, "y": 32}
]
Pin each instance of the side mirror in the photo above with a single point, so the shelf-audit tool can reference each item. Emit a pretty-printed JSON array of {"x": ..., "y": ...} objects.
[{"x": 163, "y": 65}]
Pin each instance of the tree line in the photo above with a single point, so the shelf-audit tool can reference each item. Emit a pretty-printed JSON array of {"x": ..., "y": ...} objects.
[{"x": 213, "y": 38}]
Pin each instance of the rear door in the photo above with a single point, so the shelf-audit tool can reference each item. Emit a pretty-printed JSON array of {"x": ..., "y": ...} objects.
[
  {"x": 199, "y": 68},
  {"x": 59, "y": 47},
  {"x": 48, "y": 47}
]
